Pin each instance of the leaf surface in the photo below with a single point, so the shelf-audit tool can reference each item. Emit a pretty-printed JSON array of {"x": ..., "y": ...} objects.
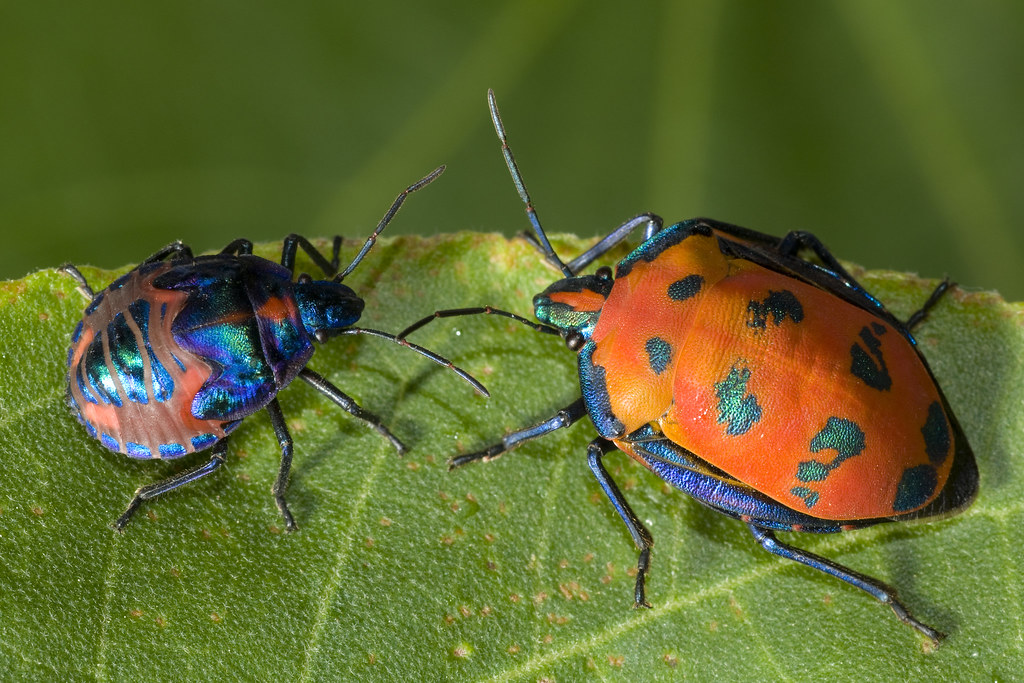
[{"x": 517, "y": 569}]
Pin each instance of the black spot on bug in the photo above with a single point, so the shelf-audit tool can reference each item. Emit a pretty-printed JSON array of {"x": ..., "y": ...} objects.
[
  {"x": 915, "y": 488},
  {"x": 659, "y": 353},
  {"x": 936, "y": 434},
  {"x": 687, "y": 287},
  {"x": 735, "y": 406},
  {"x": 867, "y": 362},
  {"x": 778, "y": 305},
  {"x": 841, "y": 435}
]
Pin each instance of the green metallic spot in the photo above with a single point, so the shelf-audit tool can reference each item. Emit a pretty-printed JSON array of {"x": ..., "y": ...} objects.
[
  {"x": 812, "y": 470},
  {"x": 659, "y": 353},
  {"x": 735, "y": 406},
  {"x": 840, "y": 435},
  {"x": 810, "y": 497}
]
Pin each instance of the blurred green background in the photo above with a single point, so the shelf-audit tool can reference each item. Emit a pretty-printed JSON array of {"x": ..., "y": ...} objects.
[{"x": 891, "y": 129}]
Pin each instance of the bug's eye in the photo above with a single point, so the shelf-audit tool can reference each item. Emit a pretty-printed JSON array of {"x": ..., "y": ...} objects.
[
  {"x": 575, "y": 341},
  {"x": 305, "y": 278},
  {"x": 604, "y": 272}
]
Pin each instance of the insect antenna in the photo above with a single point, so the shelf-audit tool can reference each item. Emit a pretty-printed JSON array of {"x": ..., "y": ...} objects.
[
  {"x": 440, "y": 360},
  {"x": 517, "y": 178},
  {"x": 478, "y": 310},
  {"x": 395, "y": 206}
]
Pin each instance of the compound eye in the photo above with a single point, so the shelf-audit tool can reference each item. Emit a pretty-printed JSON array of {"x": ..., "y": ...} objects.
[
  {"x": 304, "y": 279},
  {"x": 575, "y": 341},
  {"x": 604, "y": 272}
]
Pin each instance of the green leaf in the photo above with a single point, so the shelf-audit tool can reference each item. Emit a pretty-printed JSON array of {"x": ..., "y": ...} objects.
[{"x": 516, "y": 569}]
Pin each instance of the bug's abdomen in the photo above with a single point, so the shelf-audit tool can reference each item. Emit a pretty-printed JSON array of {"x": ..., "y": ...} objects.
[
  {"x": 129, "y": 382},
  {"x": 810, "y": 400}
]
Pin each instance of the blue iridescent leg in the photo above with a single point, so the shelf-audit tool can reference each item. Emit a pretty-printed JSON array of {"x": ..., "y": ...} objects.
[
  {"x": 562, "y": 419},
  {"x": 876, "y": 589},
  {"x": 348, "y": 404},
  {"x": 597, "y": 449},
  {"x": 652, "y": 226},
  {"x": 281, "y": 483},
  {"x": 187, "y": 477}
]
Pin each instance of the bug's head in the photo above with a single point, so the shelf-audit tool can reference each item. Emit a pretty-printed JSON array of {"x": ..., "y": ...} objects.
[
  {"x": 574, "y": 304},
  {"x": 326, "y": 306}
]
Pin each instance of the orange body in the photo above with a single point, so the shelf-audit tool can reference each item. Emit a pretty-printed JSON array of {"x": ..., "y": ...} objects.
[{"x": 783, "y": 386}]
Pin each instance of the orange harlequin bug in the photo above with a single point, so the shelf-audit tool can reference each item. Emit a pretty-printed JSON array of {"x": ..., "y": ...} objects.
[{"x": 771, "y": 388}]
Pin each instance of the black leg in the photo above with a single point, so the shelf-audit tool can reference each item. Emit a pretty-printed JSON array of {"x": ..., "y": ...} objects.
[
  {"x": 652, "y": 226},
  {"x": 796, "y": 240},
  {"x": 565, "y": 417},
  {"x": 348, "y": 404},
  {"x": 238, "y": 247},
  {"x": 281, "y": 483},
  {"x": 597, "y": 449},
  {"x": 172, "y": 250},
  {"x": 919, "y": 315},
  {"x": 187, "y": 477},
  {"x": 292, "y": 242},
  {"x": 876, "y": 589},
  {"x": 83, "y": 286}
]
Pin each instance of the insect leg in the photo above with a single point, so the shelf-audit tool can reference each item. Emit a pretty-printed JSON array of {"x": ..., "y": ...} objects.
[
  {"x": 796, "y": 240},
  {"x": 597, "y": 449},
  {"x": 873, "y": 587},
  {"x": 281, "y": 483},
  {"x": 349, "y": 405},
  {"x": 172, "y": 250},
  {"x": 563, "y": 418},
  {"x": 652, "y": 223},
  {"x": 919, "y": 315},
  {"x": 292, "y": 242},
  {"x": 83, "y": 286},
  {"x": 237, "y": 247},
  {"x": 188, "y": 476}
]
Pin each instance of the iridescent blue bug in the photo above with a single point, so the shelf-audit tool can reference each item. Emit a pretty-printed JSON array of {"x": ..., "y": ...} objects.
[{"x": 170, "y": 357}]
